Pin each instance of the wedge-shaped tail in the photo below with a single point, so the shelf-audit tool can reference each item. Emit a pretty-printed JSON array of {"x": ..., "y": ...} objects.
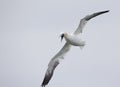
[{"x": 82, "y": 44}]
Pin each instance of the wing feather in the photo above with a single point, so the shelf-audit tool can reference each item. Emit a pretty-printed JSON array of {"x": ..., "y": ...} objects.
[
  {"x": 54, "y": 63},
  {"x": 85, "y": 19}
]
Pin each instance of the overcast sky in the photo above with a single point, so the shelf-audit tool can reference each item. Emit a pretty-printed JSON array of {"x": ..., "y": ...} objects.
[{"x": 29, "y": 38}]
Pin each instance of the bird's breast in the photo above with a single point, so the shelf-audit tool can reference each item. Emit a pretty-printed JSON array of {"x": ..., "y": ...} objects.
[{"x": 73, "y": 40}]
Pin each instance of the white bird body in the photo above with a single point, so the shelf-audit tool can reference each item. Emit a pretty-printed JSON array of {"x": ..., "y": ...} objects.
[
  {"x": 71, "y": 40},
  {"x": 74, "y": 40}
]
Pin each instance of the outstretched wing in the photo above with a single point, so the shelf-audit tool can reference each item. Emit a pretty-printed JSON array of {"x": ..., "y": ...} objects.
[
  {"x": 54, "y": 62},
  {"x": 84, "y": 20}
]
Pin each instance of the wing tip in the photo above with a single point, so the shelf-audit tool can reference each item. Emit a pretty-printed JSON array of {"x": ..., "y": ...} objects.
[
  {"x": 46, "y": 79},
  {"x": 95, "y": 14},
  {"x": 42, "y": 85},
  {"x": 105, "y": 11}
]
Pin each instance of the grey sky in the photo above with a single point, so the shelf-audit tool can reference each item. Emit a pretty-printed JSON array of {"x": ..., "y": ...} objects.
[{"x": 29, "y": 38}]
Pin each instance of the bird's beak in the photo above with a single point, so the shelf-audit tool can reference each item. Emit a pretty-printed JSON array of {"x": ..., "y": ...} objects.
[{"x": 62, "y": 37}]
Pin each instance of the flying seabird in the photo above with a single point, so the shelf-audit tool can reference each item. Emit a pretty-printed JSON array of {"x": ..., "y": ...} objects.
[{"x": 71, "y": 40}]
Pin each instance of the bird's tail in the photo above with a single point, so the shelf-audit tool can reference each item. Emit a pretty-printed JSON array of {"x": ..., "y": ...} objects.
[{"x": 82, "y": 44}]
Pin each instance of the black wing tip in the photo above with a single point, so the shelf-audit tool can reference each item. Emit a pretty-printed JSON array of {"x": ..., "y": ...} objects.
[
  {"x": 95, "y": 14},
  {"x": 105, "y": 11},
  {"x": 49, "y": 74},
  {"x": 43, "y": 85},
  {"x": 47, "y": 79}
]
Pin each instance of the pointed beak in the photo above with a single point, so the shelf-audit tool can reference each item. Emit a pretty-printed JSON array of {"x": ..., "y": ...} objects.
[{"x": 62, "y": 37}]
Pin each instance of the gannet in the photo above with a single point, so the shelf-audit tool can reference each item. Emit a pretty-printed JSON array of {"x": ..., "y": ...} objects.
[{"x": 71, "y": 40}]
